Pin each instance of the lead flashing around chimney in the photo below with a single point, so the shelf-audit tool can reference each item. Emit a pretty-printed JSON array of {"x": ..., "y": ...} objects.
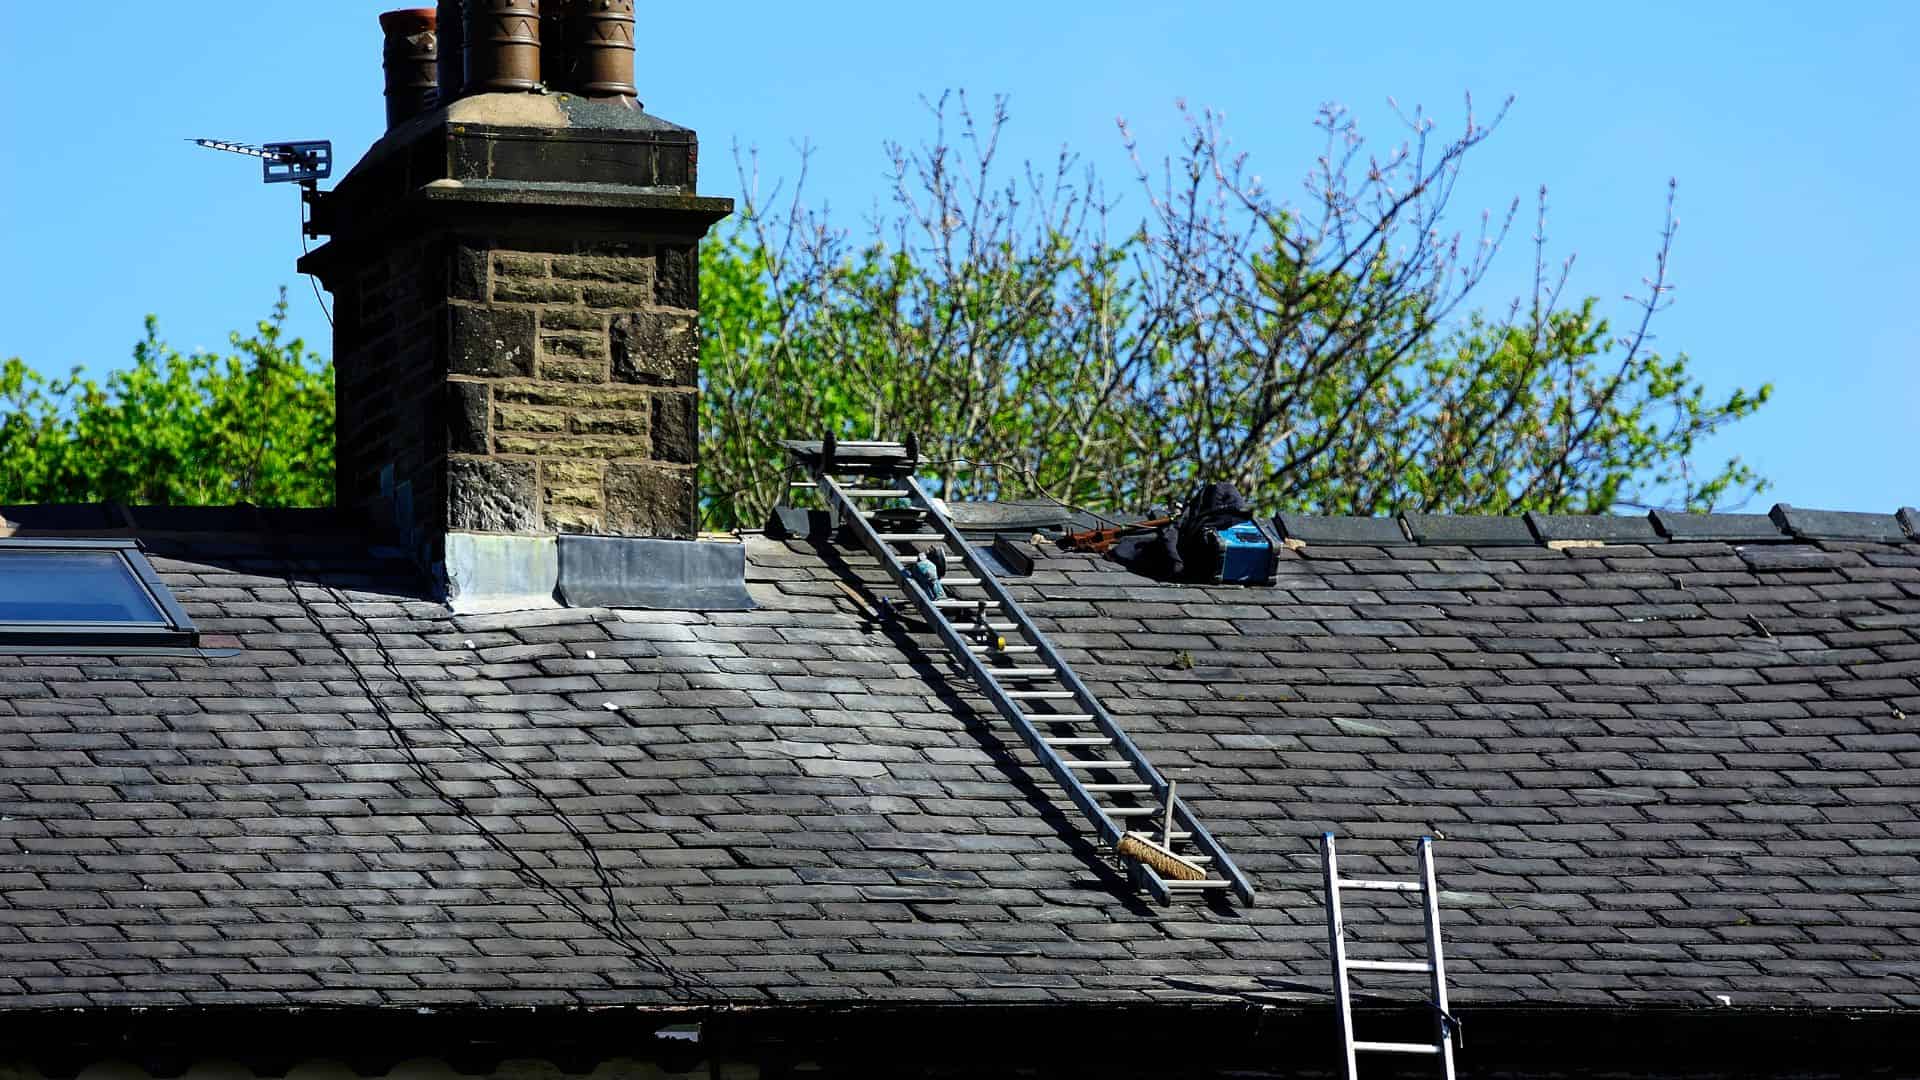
[
  {"x": 659, "y": 575},
  {"x": 491, "y": 572}
]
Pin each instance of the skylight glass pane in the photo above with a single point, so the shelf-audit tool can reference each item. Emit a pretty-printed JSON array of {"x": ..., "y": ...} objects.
[{"x": 40, "y": 585}]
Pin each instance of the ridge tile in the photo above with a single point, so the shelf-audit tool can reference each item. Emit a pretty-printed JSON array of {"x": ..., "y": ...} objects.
[
  {"x": 1598, "y": 528},
  {"x": 1838, "y": 525},
  {"x": 1469, "y": 530},
  {"x": 1688, "y": 528},
  {"x": 1344, "y": 530}
]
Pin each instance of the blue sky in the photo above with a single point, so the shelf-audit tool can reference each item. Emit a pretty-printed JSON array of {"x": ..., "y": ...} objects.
[{"x": 1789, "y": 127}]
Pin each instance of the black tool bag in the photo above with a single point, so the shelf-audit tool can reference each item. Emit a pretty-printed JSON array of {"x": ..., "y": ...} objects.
[
  {"x": 1212, "y": 509},
  {"x": 1154, "y": 555},
  {"x": 1181, "y": 551}
]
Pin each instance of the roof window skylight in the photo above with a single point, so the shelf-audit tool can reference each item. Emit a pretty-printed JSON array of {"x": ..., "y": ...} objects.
[{"x": 85, "y": 594}]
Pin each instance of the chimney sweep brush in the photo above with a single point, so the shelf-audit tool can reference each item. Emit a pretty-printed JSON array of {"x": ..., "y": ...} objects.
[
  {"x": 1161, "y": 857},
  {"x": 1164, "y": 862}
]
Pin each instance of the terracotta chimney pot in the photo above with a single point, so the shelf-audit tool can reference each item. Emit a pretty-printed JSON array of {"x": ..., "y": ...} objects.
[
  {"x": 411, "y": 59},
  {"x": 503, "y": 46},
  {"x": 602, "y": 49}
]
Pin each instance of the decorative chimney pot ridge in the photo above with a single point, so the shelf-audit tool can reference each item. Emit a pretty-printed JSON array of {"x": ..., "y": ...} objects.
[
  {"x": 601, "y": 46},
  {"x": 503, "y": 45},
  {"x": 516, "y": 340}
]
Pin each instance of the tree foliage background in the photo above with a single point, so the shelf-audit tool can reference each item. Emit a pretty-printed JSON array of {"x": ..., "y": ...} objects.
[
  {"x": 254, "y": 425},
  {"x": 1323, "y": 347},
  {"x": 1314, "y": 346}
]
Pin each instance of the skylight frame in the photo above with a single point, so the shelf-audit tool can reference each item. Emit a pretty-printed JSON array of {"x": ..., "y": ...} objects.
[{"x": 175, "y": 630}]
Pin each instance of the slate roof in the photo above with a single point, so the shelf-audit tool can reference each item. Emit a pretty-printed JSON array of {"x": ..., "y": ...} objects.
[{"x": 1660, "y": 771}]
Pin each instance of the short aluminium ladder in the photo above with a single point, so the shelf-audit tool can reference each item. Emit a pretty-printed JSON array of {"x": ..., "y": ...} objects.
[
  {"x": 1013, "y": 664},
  {"x": 1445, "y": 1026}
]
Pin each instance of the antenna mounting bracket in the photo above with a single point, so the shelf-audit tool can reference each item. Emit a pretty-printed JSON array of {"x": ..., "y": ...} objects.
[{"x": 297, "y": 162}]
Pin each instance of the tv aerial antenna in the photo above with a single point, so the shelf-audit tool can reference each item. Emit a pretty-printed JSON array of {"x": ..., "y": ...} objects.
[{"x": 305, "y": 163}]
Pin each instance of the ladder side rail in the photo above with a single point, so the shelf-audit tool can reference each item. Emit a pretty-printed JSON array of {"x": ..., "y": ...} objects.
[
  {"x": 1157, "y": 886},
  {"x": 1223, "y": 863},
  {"x": 1076, "y": 791},
  {"x": 1337, "y": 957},
  {"x": 1430, "y": 893}
]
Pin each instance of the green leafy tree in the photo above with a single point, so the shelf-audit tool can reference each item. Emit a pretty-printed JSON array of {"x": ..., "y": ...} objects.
[
  {"x": 254, "y": 425},
  {"x": 1319, "y": 352}
]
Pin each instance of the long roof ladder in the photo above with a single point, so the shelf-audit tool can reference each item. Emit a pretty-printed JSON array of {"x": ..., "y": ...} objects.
[{"x": 1015, "y": 668}]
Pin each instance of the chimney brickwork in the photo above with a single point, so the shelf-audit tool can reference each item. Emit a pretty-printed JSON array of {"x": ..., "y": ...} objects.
[
  {"x": 572, "y": 387},
  {"x": 515, "y": 282}
]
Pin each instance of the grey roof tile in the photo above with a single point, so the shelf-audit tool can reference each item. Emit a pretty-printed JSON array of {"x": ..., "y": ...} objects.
[{"x": 1649, "y": 764}]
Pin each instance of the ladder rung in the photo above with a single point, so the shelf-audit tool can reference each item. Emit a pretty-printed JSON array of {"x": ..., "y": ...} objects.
[
  {"x": 1121, "y": 789},
  {"x": 1159, "y": 837},
  {"x": 797, "y": 484},
  {"x": 1389, "y": 965},
  {"x": 1176, "y": 884},
  {"x": 1391, "y": 1047},
  {"x": 1094, "y": 763},
  {"x": 1079, "y": 740},
  {"x": 967, "y": 604},
  {"x": 1023, "y": 673},
  {"x": 875, "y": 493},
  {"x": 905, "y": 538},
  {"x": 1129, "y": 811},
  {"x": 1008, "y": 649},
  {"x": 1040, "y": 695},
  {"x": 1060, "y": 717},
  {"x": 976, "y": 626},
  {"x": 1389, "y": 886}
]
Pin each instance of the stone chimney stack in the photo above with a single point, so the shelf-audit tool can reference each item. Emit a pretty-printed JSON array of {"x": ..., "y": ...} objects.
[{"x": 516, "y": 303}]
